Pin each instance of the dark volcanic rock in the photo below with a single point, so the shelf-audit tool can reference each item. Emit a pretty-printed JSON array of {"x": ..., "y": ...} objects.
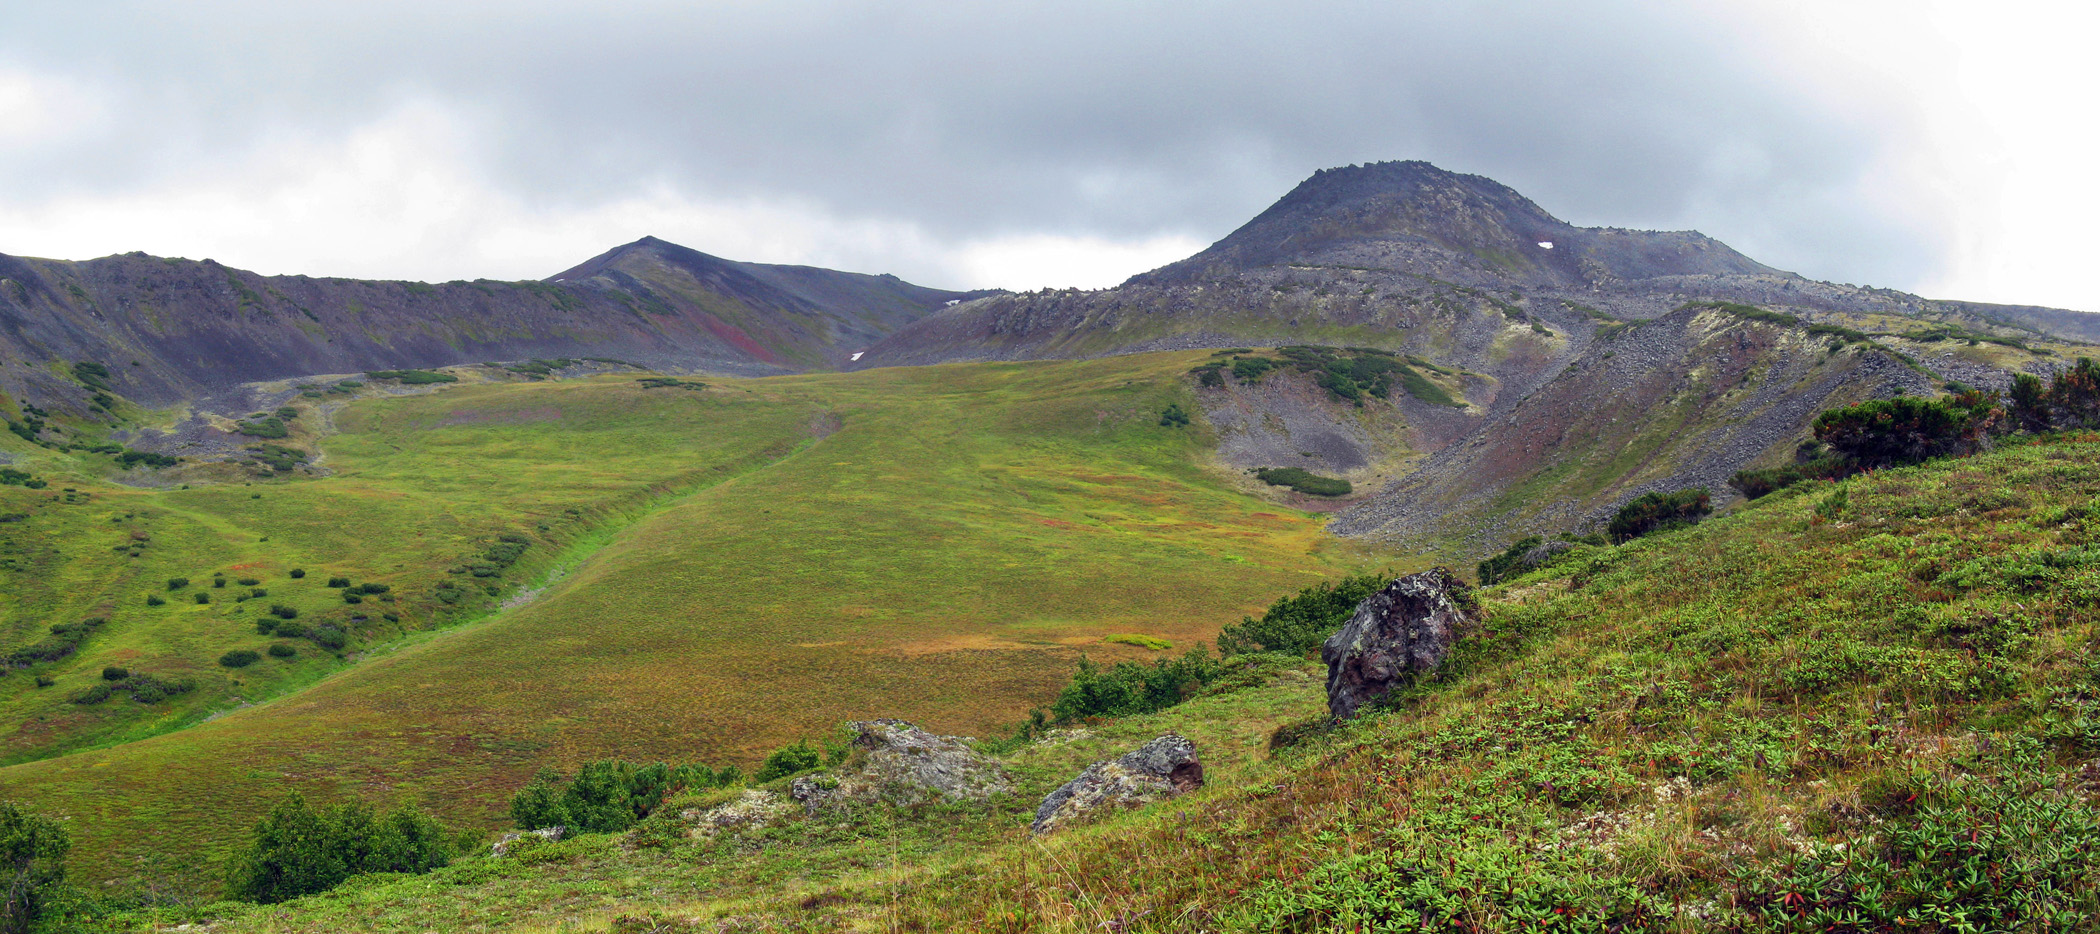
[
  {"x": 1396, "y": 635},
  {"x": 1162, "y": 768}
]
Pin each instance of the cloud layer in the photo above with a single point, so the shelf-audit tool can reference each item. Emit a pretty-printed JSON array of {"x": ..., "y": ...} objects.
[{"x": 962, "y": 145}]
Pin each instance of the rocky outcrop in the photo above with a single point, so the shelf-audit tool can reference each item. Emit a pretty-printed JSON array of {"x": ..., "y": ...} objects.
[
  {"x": 1395, "y": 636},
  {"x": 897, "y": 762},
  {"x": 753, "y": 809},
  {"x": 510, "y": 841},
  {"x": 1162, "y": 768}
]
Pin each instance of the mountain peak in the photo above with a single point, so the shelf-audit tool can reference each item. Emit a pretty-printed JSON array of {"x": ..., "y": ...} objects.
[{"x": 1413, "y": 217}]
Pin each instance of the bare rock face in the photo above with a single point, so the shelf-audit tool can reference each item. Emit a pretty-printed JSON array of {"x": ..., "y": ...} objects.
[
  {"x": 897, "y": 762},
  {"x": 1162, "y": 768},
  {"x": 1396, "y": 635}
]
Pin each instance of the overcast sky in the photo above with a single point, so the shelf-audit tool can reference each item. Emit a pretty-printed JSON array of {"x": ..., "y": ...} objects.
[{"x": 1941, "y": 147}]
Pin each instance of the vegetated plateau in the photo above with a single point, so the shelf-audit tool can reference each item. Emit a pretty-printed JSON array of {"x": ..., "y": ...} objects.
[{"x": 286, "y": 631}]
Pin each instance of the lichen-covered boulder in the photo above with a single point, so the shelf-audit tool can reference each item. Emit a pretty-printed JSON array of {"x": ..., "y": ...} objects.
[
  {"x": 1162, "y": 768},
  {"x": 1395, "y": 636},
  {"x": 753, "y": 809},
  {"x": 503, "y": 847},
  {"x": 897, "y": 762}
]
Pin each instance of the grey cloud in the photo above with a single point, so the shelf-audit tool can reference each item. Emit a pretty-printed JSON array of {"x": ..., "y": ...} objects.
[{"x": 1116, "y": 119}]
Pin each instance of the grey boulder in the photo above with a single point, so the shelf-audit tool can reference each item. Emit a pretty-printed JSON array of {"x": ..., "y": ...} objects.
[
  {"x": 1165, "y": 767},
  {"x": 897, "y": 762}
]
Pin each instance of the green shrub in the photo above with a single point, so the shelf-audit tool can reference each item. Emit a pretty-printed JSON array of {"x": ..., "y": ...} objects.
[
  {"x": 1657, "y": 512},
  {"x": 351, "y": 596},
  {"x": 240, "y": 658},
  {"x": 113, "y": 673},
  {"x": 1297, "y": 624},
  {"x": 268, "y": 427},
  {"x": 249, "y": 581},
  {"x": 280, "y": 650},
  {"x": 153, "y": 599},
  {"x": 374, "y": 588},
  {"x": 218, "y": 581},
  {"x": 1757, "y": 483},
  {"x": 296, "y": 850},
  {"x": 1906, "y": 430},
  {"x": 177, "y": 583},
  {"x": 1133, "y": 687},
  {"x": 327, "y": 637},
  {"x": 90, "y": 696},
  {"x": 281, "y": 611},
  {"x": 413, "y": 377},
  {"x": 33, "y": 855},
  {"x": 1509, "y": 563},
  {"x": 203, "y": 597},
  {"x": 297, "y": 573},
  {"x": 339, "y": 582},
  {"x": 1174, "y": 417},
  {"x": 799, "y": 756},
  {"x": 1303, "y": 481},
  {"x": 128, "y": 459},
  {"x": 608, "y": 795}
]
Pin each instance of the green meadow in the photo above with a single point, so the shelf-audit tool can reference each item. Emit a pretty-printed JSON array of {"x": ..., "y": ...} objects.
[{"x": 704, "y": 576}]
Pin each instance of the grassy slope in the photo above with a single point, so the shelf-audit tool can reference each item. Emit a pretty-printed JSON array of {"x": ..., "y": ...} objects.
[
  {"x": 1728, "y": 727},
  {"x": 940, "y": 554}
]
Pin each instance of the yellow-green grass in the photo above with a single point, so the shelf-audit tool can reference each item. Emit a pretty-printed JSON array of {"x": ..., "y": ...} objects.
[{"x": 931, "y": 543}]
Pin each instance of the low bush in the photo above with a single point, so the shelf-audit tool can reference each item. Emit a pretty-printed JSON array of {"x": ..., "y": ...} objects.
[
  {"x": 267, "y": 427},
  {"x": 413, "y": 377},
  {"x": 297, "y": 573},
  {"x": 339, "y": 582},
  {"x": 203, "y": 597},
  {"x": 799, "y": 756},
  {"x": 113, "y": 673},
  {"x": 281, "y": 611},
  {"x": 64, "y": 640},
  {"x": 1906, "y": 430},
  {"x": 90, "y": 696},
  {"x": 1658, "y": 512},
  {"x": 240, "y": 658},
  {"x": 1297, "y": 624},
  {"x": 1762, "y": 482},
  {"x": 33, "y": 857},
  {"x": 177, "y": 583},
  {"x": 1304, "y": 481},
  {"x": 249, "y": 581},
  {"x": 327, "y": 637},
  {"x": 1174, "y": 417},
  {"x": 128, "y": 459},
  {"x": 280, "y": 650},
  {"x": 154, "y": 599},
  {"x": 608, "y": 795},
  {"x": 1129, "y": 688},
  {"x": 296, "y": 850}
]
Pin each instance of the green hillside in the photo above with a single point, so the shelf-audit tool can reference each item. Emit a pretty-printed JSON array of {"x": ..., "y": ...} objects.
[
  {"x": 700, "y": 575},
  {"x": 1867, "y": 706}
]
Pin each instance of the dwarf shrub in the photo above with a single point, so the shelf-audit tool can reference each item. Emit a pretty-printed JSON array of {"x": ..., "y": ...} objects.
[
  {"x": 153, "y": 599},
  {"x": 280, "y": 650},
  {"x": 239, "y": 658},
  {"x": 1657, "y": 512},
  {"x": 114, "y": 673},
  {"x": 1297, "y": 624},
  {"x": 203, "y": 597},
  {"x": 296, "y": 850},
  {"x": 32, "y": 854},
  {"x": 339, "y": 582},
  {"x": 177, "y": 583},
  {"x": 298, "y": 573}
]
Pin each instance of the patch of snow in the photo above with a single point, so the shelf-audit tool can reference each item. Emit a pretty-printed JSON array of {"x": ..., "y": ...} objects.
[
  {"x": 1545, "y": 244},
  {"x": 856, "y": 356}
]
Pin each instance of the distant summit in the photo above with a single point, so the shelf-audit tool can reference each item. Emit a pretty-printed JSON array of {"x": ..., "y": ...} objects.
[{"x": 1470, "y": 229}]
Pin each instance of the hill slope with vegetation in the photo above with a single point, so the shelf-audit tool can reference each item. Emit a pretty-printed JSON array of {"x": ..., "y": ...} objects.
[{"x": 1868, "y": 705}]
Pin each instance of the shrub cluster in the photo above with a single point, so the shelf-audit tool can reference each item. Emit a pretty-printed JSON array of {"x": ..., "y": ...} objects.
[
  {"x": 12, "y": 477},
  {"x": 1658, "y": 512},
  {"x": 128, "y": 459},
  {"x": 264, "y": 427},
  {"x": 1297, "y": 624},
  {"x": 498, "y": 558},
  {"x": 1174, "y": 417},
  {"x": 413, "y": 377},
  {"x": 1906, "y": 430},
  {"x": 1134, "y": 687},
  {"x": 296, "y": 850},
  {"x": 1350, "y": 374},
  {"x": 608, "y": 795},
  {"x": 33, "y": 855},
  {"x": 64, "y": 640},
  {"x": 240, "y": 658},
  {"x": 1304, "y": 481},
  {"x": 144, "y": 688},
  {"x": 277, "y": 457},
  {"x": 667, "y": 382}
]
